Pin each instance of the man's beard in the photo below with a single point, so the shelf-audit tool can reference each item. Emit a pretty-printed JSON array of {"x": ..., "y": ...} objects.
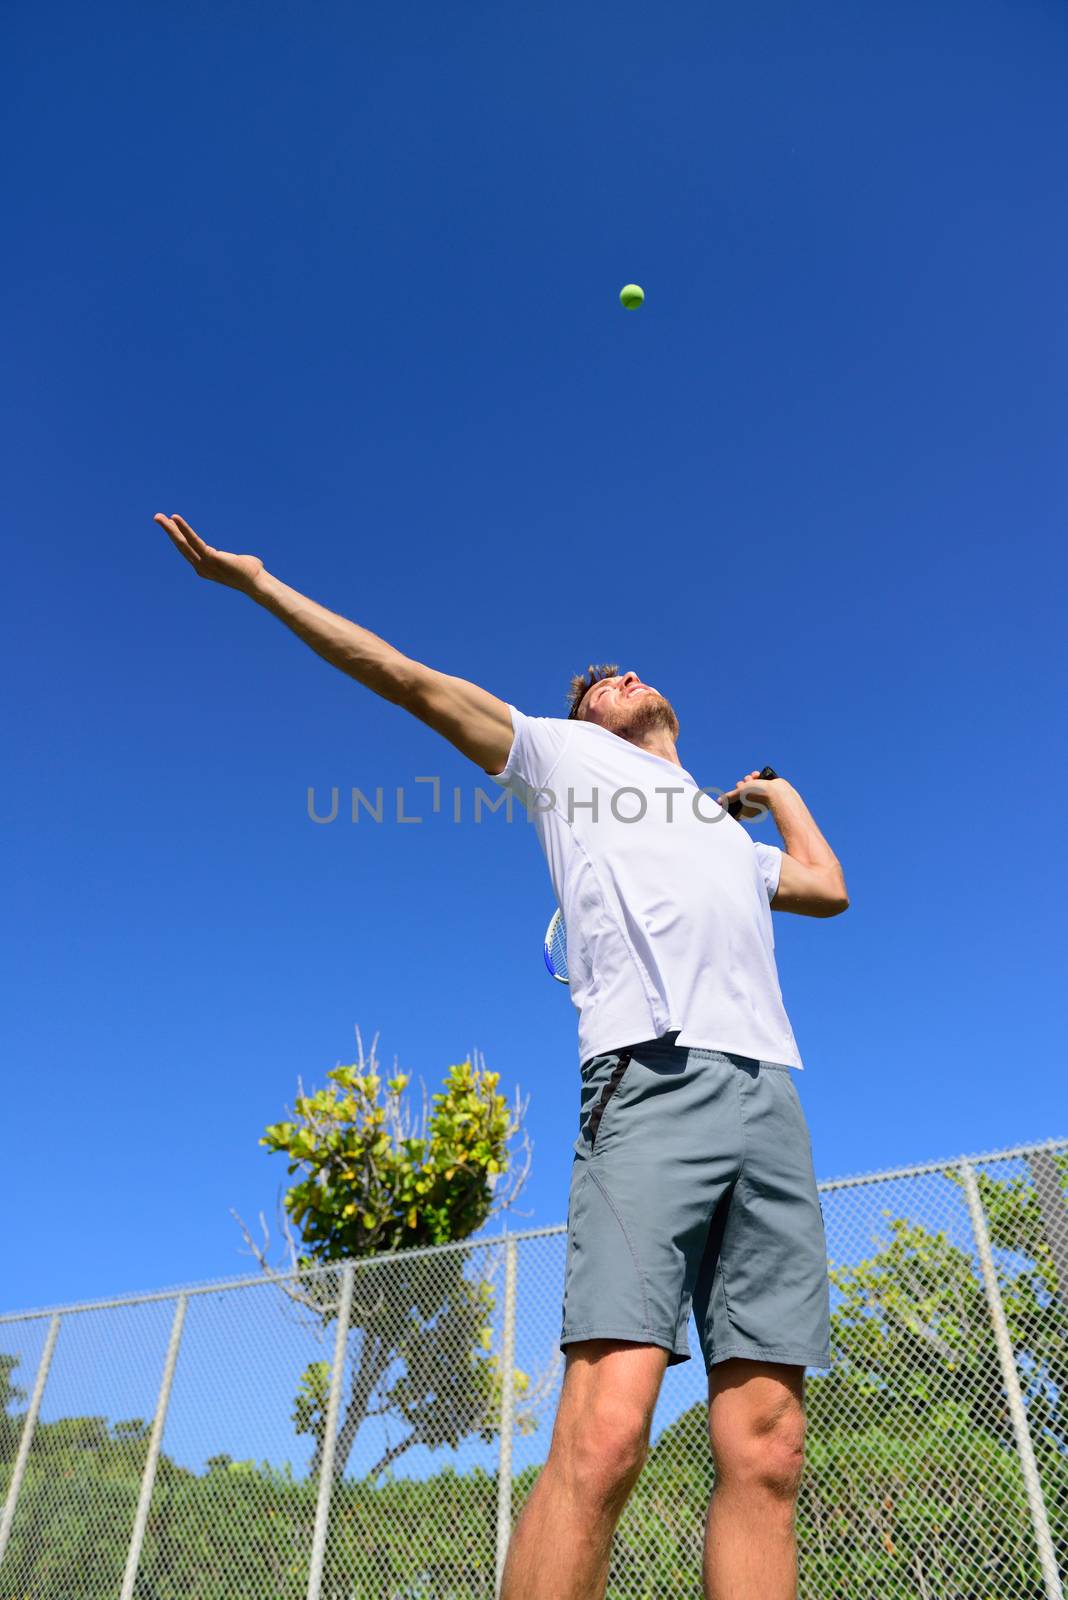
[{"x": 644, "y": 714}]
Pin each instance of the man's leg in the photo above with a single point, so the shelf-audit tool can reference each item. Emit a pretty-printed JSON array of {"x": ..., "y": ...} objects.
[
  {"x": 561, "y": 1544},
  {"x": 756, "y": 1425}
]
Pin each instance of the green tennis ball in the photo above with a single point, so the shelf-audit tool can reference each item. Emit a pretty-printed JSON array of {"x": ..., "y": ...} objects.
[{"x": 631, "y": 296}]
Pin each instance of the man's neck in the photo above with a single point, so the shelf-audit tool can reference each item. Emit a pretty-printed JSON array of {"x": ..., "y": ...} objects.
[{"x": 658, "y": 742}]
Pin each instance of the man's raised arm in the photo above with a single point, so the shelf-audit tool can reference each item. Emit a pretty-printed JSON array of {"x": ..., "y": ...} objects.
[
  {"x": 476, "y": 722},
  {"x": 811, "y": 881}
]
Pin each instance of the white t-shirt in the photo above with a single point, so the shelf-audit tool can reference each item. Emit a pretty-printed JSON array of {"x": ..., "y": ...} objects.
[{"x": 666, "y": 899}]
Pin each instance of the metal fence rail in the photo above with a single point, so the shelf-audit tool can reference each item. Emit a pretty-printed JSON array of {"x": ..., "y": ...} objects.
[{"x": 369, "y": 1431}]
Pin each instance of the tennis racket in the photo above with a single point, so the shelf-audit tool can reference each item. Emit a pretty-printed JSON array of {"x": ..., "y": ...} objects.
[{"x": 556, "y": 948}]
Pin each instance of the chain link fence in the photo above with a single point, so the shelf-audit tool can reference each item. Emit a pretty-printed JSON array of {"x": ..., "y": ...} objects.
[{"x": 370, "y": 1431}]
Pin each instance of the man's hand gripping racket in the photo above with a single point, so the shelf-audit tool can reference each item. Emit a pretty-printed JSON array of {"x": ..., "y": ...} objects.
[{"x": 733, "y": 800}]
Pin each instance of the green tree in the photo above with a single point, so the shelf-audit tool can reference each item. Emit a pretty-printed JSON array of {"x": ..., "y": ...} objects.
[
  {"x": 913, "y": 1465},
  {"x": 913, "y": 1482},
  {"x": 912, "y": 1327},
  {"x": 911, "y": 1489},
  {"x": 374, "y": 1179},
  {"x": 11, "y": 1399}
]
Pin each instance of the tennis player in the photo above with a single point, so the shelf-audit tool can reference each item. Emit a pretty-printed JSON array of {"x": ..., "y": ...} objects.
[{"x": 692, "y": 1183}]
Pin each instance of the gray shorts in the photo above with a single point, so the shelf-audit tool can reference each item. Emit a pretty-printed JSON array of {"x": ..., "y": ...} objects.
[{"x": 693, "y": 1185}]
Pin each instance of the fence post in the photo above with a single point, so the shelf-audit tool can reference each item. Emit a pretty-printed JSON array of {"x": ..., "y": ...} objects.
[
  {"x": 504, "y": 1459},
  {"x": 1011, "y": 1379},
  {"x": 29, "y": 1427},
  {"x": 1053, "y": 1211},
  {"x": 333, "y": 1408},
  {"x": 148, "y": 1477}
]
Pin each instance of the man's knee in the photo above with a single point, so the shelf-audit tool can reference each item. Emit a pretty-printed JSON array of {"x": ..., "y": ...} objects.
[
  {"x": 602, "y": 1449},
  {"x": 601, "y": 1433},
  {"x": 770, "y": 1461},
  {"x": 606, "y": 1449},
  {"x": 758, "y": 1438}
]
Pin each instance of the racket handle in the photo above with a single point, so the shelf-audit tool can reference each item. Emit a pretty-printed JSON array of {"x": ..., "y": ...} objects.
[{"x": 735, "y": 807}]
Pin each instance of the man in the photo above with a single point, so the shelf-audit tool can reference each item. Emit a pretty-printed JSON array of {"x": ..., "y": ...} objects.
[{"x": 692, "y": 1182}]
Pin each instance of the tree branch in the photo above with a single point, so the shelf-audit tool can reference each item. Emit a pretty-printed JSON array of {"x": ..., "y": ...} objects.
[{"x": 391, "y": 1454}]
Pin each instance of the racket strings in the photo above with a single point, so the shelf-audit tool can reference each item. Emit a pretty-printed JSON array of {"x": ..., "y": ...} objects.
[{"x": 556, "y": 948}]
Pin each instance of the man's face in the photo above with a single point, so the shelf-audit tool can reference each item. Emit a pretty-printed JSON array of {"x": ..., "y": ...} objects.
[{"x": 629, "y": 707}]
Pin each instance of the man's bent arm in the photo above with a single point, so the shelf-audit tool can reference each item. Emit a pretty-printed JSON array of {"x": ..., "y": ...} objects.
[
  {"x": 475, "y": 721},
  {"x": 811, "y": 882}
]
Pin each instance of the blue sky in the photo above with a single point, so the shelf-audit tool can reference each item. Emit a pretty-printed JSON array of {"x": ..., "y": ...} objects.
[{"x": 340, "y": 286}]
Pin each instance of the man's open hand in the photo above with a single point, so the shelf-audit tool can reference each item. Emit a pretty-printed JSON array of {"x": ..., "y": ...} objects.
[{"x": 221, "y": 566}]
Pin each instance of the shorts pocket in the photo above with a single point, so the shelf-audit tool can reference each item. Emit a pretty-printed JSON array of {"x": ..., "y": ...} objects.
[{"x": 601, "y": 1105}]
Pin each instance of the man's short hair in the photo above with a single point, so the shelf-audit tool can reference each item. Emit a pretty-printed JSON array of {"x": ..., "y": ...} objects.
[{"x": 583, "y": 682}]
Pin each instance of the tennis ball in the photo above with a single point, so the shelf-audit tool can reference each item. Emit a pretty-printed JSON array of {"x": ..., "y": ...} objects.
[{"x": 631, "y": 296}]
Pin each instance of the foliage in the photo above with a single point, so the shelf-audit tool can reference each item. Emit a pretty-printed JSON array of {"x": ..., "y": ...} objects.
[
  {"x": 937, "y": 1512},
  {"x": 912, "y": 1485},
  {"x": 372, "y": 1182},
  {"x": 932, "y": 1506},
  {"x": 11, "y": 1396},
  {"x": 912, "y": 1328}
]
